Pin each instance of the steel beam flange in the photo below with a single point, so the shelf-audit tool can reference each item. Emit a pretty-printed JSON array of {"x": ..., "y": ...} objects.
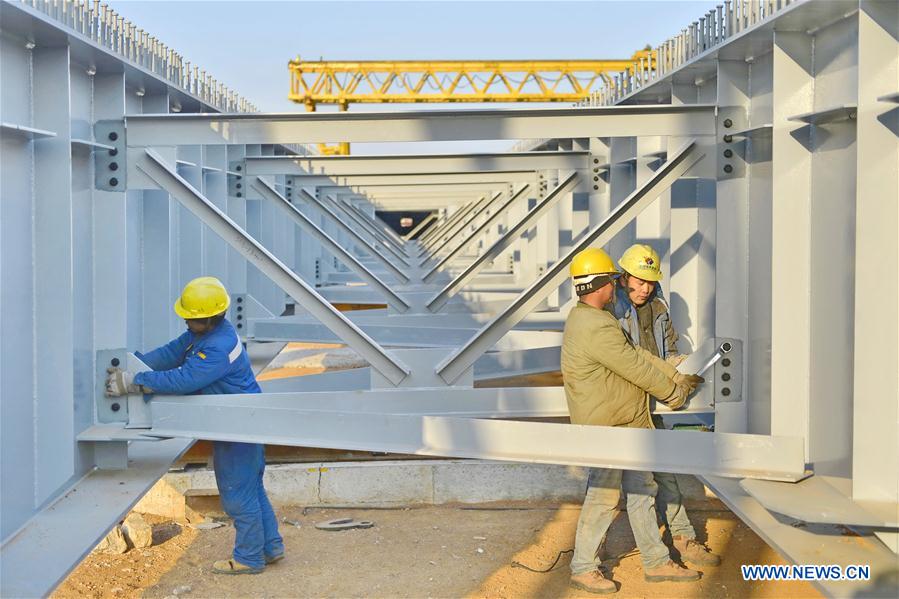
[{"x": 110, "y": 166}]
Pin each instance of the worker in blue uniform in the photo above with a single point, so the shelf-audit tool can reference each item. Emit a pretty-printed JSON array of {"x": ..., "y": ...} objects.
[{"x": 209, "y": 359}]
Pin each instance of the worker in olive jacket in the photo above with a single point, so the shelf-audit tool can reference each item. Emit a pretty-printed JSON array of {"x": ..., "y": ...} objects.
[{"x": 608, "y": 382}]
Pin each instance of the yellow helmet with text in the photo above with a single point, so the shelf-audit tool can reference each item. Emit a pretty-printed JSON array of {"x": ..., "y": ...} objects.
[
  {"x": 641, "y": 261},
  {"x": 591, "y": 269}
]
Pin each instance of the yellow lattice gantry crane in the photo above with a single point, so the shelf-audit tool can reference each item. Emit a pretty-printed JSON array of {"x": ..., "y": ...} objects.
[{"x": 414, "y": 81}]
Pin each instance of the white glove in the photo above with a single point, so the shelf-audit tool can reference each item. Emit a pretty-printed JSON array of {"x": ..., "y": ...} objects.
[{"x": 121, "y": 382}]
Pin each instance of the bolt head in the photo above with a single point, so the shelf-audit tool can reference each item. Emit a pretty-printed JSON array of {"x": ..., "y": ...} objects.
[
  {"x": 115, "y": 362},
  {"x": 728, "y": 153},
  {"x": 728, "y": 168},
  {"x": 115, "y": 407},
  {"x": 728, "y": 138},
  {"x": 728, "y": 123},
  {"x": 113, "y": 136},
  {"x": 113, "y": 182},
  {"x": 113, "y": 166}
]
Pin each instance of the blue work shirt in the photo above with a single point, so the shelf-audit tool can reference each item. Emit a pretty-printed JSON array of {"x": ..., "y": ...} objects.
[{"x": 213, "y": 363}]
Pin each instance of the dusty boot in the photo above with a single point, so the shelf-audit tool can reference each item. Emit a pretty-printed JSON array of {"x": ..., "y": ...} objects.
[
  {"x": 693, "y": 552},
  {"x": 232, "y": 566},
  {"x": 670, "y": 572},
  {"x": 593, "y": 582}
]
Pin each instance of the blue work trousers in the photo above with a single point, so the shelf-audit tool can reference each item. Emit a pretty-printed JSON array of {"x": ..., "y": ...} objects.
[
  {"x": 238, "y": 473},
  {"x": 604, "y": 488}
]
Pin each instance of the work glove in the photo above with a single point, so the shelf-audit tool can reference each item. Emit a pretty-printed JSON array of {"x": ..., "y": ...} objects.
[
  {"x": 678, "y": 397},
  {"x": 121, "y": 382},
  {"x": 676, "y": 359},
  {"x": 690, "y": 381}
]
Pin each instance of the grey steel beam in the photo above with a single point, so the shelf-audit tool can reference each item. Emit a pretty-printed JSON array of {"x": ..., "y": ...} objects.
[
  {"x": 542, "y": 207},
  {"x": 363, "y": 220},
  {"x": 676, "y": 166},
  {"x": 415, "y": 179},
  {"x": 474, "y": 235},
  {"x": 380, "y": 224},
  {"x": 422, "y": 164},
  {"x": 152, "y": 165},
  {"x": 483, "y": 210},
  {"x": 360, "y": 242},
  {"x": 232, "y": 418},
  {"x": 420, "y": 226},
  {"x": 268, "y": 192},
  {"x": 469, "y": 215},
  {"x": 432, "y": 125},
  {"x": 380, "y": 241}
]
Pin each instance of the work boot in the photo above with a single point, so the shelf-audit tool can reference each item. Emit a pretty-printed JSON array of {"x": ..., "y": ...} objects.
[
  {"x": 232, "y": 566},
  {"x": 271, "y": 559},
  {"x": 593, "y": 582},
  {"x": 693, "y": 552},
  {"x": 670, "y": 572}
]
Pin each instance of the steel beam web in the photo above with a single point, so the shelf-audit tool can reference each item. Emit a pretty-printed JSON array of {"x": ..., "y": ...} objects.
[
  {"x": 151, "y": 164},
  {"x": 268, "y": 192},
  {"x": 687, "y": 452},
  {"x": 542, "y": 207},
  {"x": 679, "y": 163}
]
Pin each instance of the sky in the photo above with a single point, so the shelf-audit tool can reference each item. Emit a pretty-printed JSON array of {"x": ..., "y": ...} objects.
[{"x": 246, "y": 45}]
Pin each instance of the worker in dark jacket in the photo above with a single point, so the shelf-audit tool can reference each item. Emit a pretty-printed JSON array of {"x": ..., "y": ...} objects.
[
  {"x": 209, "y": 359},
  {"x": 643, "y": 313}
]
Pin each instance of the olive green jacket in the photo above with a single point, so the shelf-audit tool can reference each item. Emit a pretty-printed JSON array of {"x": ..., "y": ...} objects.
[{"x": 608, "y": 381}]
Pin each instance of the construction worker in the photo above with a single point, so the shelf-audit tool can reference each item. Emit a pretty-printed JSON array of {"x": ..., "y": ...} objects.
[
  {"x": 608, "y": 382},
  {"x": 643, "y": 313},
  {"x": 209, "y": 358}
]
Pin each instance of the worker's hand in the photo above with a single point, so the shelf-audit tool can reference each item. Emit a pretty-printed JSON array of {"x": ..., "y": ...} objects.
[
  {"x": 120, "y": 382},
  {"x": 676, "y": 359},
  {"x": 678, "y": 397},
  {"x": 690, "y": 381}
]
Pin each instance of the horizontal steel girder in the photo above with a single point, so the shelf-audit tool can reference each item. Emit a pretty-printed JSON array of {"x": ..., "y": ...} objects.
[
  {"x": 413, "y": 182},
  {"x": 442, "y": 125},
  {"x": 278, "y": 420},
  {"x": 423, "y": 164},
  {"x": 168, "y": 180}
]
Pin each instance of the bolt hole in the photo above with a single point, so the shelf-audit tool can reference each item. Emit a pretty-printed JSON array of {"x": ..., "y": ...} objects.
[
  {"x": 115, "y": 407},
  {"x": 115, "y": 362}
]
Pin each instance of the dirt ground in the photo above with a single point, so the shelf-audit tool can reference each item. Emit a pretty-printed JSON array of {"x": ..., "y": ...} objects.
[{"x": 450, "y": 551}]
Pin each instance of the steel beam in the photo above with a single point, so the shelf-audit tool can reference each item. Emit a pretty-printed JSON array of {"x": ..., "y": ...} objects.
[
  {"x": 378, "y": 236},
  {"x": 419, "y": 164},
  {"x": 474, "y": 235},
  {"x": 249, "y": 420},
  {"x": 676, "y": 166},
  {"x": 420, "y": 226},
  {"x": 152, "y": 165},
  {"x": 359, "y": 241},
  {"x": 484, "y": 209},
  {"x": 436, "y": 125},
  {"x": 448, "y": 221},
  {"x": 416, "y": 179},
  {"x": 443, "y": 296},
  {"x": 431, "y": 244},
  {"x": 268, "y": 192}
]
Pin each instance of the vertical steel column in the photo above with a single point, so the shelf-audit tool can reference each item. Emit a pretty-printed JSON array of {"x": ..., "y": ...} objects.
[
  {"x": 160, "y": 252},
  {"x": 791, "y": 348},
  {"x": 52, "y": 403},
  {"x": 213, "y": 163},
  {"x": 237, "y": 211},
  {"x": 875, "y": 474}
]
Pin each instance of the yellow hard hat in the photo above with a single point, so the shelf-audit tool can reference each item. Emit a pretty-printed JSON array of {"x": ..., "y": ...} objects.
[
  {"x": 203, "y": 297},
  {"x": 592, "y": 261},
  {"x": 642, "y": 261}
]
